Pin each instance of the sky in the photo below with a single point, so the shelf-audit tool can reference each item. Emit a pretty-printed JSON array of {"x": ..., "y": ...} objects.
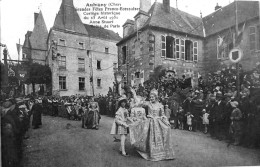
[{"x": 17, "y": 16}]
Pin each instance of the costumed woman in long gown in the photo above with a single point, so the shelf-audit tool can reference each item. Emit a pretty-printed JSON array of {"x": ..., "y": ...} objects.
[
  {"x": 152, "y": 137},
  {"x": 93, "y": 115}
]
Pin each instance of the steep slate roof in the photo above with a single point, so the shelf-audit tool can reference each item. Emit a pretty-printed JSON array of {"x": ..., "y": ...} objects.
[
  {"x": 175, "y": 20},
  {"x": 128, "y": 21},
  {"x": 39, "y": 35},
  {"x": 26, "y": 43},
  {"x": 183, "y": 22},
  {"x": 99, "y": 32},
  {"x": 68, "y": 18},
  {"x": 225, "y": 17}
]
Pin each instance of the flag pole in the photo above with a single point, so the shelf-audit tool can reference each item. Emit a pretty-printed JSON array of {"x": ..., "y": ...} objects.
[
  {"x": 237, "y": 64},
  {"x": 19, "y": 52}
]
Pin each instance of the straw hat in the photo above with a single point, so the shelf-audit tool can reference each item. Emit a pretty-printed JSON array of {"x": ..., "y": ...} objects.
[{"x": 121, "y": 99}]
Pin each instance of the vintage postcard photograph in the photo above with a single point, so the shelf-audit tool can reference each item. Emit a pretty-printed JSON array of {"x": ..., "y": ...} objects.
[{"x": 116, "y": 83}]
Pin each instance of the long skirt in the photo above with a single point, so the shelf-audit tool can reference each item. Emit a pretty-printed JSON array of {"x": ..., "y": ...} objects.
[
  {"x": 152, "y": 139},
  {"x": 93, "y": 118}
]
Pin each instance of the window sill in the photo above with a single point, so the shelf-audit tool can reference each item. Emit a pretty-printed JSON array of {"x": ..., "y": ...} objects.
[
  {"x": 99, "y": 87},
  {"x": 63, "y": 89},
  {"x": 99, "y": 69},
  {"x": 172, "y": 59},
  {"x": 63, "y": 69},
  {"x": 82, "y": 90},
  {"x": 81, "y": 71}
]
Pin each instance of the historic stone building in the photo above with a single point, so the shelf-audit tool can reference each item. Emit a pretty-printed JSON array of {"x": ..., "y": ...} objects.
[
  {"x": 84, "y": 55},
  {"x": 181, "y": 42},
  {"x": 220, "y": 28},
  {"x": 35, "y": 43}
]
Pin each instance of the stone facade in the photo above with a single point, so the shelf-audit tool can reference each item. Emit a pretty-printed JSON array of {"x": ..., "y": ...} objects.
[
  {"x": 147, "y": 54},
  {"x": 82, "y": 54},
  {"x": 66, "y": 63},
  {"x": 250, "y": 57},
  {"x": 143, "y": 49}
]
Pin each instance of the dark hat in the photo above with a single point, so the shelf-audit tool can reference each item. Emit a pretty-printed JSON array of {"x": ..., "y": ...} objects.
[
  {"x": 228, "y": 95},
  {"x": 219, "y": 94}
]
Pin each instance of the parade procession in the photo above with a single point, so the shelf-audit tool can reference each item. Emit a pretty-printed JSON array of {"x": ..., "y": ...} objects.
[{"x": 169, "y": 83}]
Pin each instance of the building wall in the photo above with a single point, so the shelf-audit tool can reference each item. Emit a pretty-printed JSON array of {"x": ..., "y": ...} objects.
[
  {"x": 211, "y": 63},
  {"x": 38, "y": 56},
  {"x": 27, "y": 52},
  {"x": 145, "y": 60},
  {"x": 106, "y": 73},
  {"x": 72, "y": 52},
  {"x": 94, "y": 49}
]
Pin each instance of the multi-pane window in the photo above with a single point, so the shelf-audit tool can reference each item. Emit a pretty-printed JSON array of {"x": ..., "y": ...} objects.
[
  {"x": 81, "y": 83},
  {"x": 188, "y": 50},
  {"x": 62, "y": 82},
  {"x": 151, "y": 42},
  {"x": 218, "y": 48},
  {"x": 195, "y": 51},
  {"x": 98, "y": 64},
  {"x": 170, "y": 47},
  {"x": 81, "y": 64},
  {"x": 252, "y": 38},
  {"x": 106, "y": 50},
  {"x": 81, "y": 45},
  {"x": 177, "y": 49},
  {"x": 163, "y": 46},
  {"x": 98, "y": 82},
  {"x": 62, "y": 62},
  {"x": 62, "y": 42},
  {"x": 182, "y": 49}
]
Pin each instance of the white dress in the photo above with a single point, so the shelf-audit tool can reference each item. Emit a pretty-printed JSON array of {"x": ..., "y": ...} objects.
[{"x": 189, "y": 119}]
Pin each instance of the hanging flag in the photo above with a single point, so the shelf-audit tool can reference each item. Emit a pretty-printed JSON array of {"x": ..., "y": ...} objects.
[
  {"x": 19, "y": 47},
  {"x": 225, "y": 44},
  {"x": 240, "y": 35}
]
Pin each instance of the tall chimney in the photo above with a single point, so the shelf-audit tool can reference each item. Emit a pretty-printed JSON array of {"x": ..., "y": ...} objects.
[
  {"x": 217, "y": 7},
  {"x": 166, "y": 6},
  {"x": 145, "y": 5},
  {"x": 35, "y": 17}
]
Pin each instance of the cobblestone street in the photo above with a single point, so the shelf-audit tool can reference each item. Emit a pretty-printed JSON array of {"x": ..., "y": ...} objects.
[{"x": 60, "y": 144}]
